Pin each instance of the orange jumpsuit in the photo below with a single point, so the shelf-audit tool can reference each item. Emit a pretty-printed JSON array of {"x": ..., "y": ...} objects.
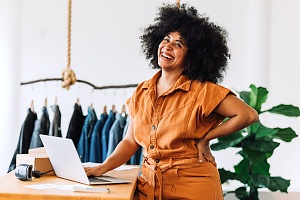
[{"x": 168, "y": 127}]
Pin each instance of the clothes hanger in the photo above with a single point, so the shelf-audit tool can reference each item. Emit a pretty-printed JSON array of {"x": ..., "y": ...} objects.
[
  {"x": 32, "y": 106},
  {"x": 45, "y": 103},
  {"x": 123, "y": 111},
  {"x": 78, "y": 101},
  {"x": 113, "y": 108},
  {"x": 104, "y": 110}
]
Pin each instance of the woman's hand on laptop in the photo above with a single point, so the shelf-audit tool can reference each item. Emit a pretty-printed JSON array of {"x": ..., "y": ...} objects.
[{"x": 94, "y": 171}]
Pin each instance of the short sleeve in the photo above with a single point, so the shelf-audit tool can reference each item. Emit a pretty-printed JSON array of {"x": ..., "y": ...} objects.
[
  {"x": 211, "y": 96},
  {"x": 130, "y": 106},
  {"x": 133, "y": 101}
]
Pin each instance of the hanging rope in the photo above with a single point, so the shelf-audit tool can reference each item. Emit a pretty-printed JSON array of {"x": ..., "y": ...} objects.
[
  {"x": 68, "y": 75},
  {"x": 178, "y": 3}
]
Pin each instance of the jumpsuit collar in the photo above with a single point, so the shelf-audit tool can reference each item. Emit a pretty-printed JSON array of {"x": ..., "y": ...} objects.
[{"x": 182, "y": 83}]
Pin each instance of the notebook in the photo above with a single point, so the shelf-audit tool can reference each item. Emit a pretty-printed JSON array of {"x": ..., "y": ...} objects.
[{"x": 66, "y": 162}]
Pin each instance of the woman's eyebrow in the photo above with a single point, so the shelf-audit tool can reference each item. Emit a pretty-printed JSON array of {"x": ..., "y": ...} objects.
[{"x": 181, "y": 41}]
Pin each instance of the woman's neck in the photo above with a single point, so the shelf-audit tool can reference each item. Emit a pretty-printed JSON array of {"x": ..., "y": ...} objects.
[{"x": 166, "y": 81}]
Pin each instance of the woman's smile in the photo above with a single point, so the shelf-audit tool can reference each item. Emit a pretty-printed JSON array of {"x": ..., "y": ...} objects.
[{"x": 172, "y": 51}]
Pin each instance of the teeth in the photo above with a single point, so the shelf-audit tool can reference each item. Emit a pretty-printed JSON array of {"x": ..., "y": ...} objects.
[{"x": 166, "y": 56}]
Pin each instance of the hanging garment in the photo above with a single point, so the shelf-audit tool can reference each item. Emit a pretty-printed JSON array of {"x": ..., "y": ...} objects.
[
  {"x": 55, "y": 126},
  {"x": 41, "y": 126},
  {"x": 76, "y": 124},
  {"x": 96, "y": 146},
  {"x": 137, "y": 158},
  {"x": 126, "y": 126},
  {"x": 83, "y": 147},
  {"x": 116, "y": 132},
  {"x": 105, "y": 133},
  {"x": 24, "y": 137}
]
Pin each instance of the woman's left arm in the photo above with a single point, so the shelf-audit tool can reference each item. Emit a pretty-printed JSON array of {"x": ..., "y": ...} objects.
[{"x": 240, "y": 116}]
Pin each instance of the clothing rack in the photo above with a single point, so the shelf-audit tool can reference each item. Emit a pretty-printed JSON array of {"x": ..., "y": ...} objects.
[{"x": 82, "y": 81}]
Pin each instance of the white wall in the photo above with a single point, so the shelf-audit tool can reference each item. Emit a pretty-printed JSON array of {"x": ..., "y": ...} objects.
[
  {"x": 263, "y": 38},
  {"x": 9, "y": 79}
]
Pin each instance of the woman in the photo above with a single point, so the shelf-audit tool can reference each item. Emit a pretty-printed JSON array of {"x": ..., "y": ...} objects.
[{"x": 179, "y": 110}]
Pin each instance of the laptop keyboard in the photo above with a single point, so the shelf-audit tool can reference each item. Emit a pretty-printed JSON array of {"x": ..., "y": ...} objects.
[{"x": 94, "y": 179}]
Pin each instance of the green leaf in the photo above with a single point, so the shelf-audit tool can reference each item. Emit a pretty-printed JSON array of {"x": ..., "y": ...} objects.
[
  {"x": 254, "y": 156},
  {"x": 245, "y": 96},
  {"x": 226, "y": 175},
  {"x": 272, "y": 183},
  {"x": 228, "y": 141},
  {"x": 257, "y": 97},
  {"x": 262, "y": 168},
  {"x": 285, "y": 134},
  {"x": 242, "y": 169},
  {"x": 253, "y": 165},
  {"x": 278, "y": 183},
  {"x": 253, "y": 96},
  {"x": 253, "y": 128},
  {"x": 261, "y": 145},
  {"x": 287, "y": 110},
  {"x": 241, "y": 193},
  {"x": 264, "y": 131}
]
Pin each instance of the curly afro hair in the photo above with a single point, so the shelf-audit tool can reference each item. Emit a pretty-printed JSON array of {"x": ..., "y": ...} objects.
[{"x": 208, "y": 53}]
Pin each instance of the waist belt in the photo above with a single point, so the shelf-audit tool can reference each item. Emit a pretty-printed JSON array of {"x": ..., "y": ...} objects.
[{"x": 157, "y": 167}]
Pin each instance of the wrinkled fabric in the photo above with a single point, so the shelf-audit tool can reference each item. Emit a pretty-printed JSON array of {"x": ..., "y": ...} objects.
[
  {"x": 137, "y": 158},
  {"x": 179, "y": 179},
  {"x": 41, "y": 126},
  {"x": 116, "y": 132},
  {"x": 126, "y": 125},
  {"x": 83, "y": 147},
  {"x": 76, "y": 124},
  {"x": 55, "y": 126},
  {"x": 105, "y": 133},
  {"x": 168, "y": 128},
  {"x": 24, "y": 137},
  {"x": 96, "y": 144}
]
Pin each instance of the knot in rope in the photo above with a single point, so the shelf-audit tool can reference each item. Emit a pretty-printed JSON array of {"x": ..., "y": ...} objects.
[{"x": 69, "y": 78}]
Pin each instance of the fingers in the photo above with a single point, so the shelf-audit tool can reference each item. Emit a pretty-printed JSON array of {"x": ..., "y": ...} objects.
[
  {"x": 88, "y": 171},
  {"x": 211, "y": 159},
  {"x": 92, "y": 171},
  {"x": 201, "y": 158},
  {"x": 204, "y": 153}
]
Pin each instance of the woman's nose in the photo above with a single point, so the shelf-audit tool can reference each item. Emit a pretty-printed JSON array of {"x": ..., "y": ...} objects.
[{"x": 168, "y": 46}]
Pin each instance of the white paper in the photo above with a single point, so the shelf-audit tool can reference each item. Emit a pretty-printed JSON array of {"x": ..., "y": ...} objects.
[{"x": 53, "y": 186}]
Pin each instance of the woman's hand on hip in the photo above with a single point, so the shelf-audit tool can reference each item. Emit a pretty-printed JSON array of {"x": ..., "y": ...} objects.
[{"x": 204, "y": 152}]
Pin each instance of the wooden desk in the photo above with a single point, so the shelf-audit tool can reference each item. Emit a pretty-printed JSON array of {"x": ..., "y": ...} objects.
[{"x": 12, "y": 188}]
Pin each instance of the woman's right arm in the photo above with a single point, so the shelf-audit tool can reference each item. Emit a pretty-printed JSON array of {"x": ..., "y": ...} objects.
[{"x": 122, "y": 153}]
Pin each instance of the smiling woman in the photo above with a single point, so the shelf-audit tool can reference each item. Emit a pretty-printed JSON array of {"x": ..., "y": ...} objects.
[
  {"x": 172, "y": 51},
  {"x": 264, "y": 44},
  {"x": 171, "y": 59},
  {"x": 178, "y": 111}
]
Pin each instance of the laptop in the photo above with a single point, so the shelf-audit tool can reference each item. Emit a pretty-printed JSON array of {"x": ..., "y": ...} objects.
[{"x": 66, "y": 162}]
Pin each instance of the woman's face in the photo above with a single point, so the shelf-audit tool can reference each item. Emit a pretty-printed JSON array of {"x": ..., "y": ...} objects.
[{"x": 172, "y": 52}]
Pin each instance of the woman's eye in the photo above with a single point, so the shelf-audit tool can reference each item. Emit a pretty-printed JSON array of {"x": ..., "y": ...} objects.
[
  {"x": 166, "y": 40},
  {"x": 178, "y": 45}
]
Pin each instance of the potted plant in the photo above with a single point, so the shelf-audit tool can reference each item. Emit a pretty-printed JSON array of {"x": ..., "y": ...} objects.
[{"x": 256, "y": 144}]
